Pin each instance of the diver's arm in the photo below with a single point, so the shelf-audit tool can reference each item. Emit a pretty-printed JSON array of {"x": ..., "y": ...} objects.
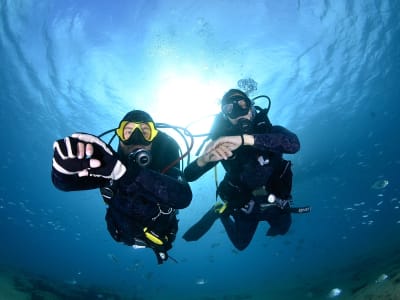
[
  {"x": 197, "y": 168},
  {"x": 163, "y": 184},
  {"x": 170, "y": 189},
  {"x": 206, "y": 161},
  {"x": 279, "y": 140}
]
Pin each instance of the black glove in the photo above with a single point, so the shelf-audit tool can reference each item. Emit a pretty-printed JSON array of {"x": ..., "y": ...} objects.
[{"x": 66, "y": 161}]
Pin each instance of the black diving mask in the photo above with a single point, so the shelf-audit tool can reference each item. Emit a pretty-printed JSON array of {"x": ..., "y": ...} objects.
[{"x": 237, "y": 107}]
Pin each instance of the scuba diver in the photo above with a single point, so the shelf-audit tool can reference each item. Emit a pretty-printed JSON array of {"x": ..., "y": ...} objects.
[
  {"x": 141, "y": 183},
  {"x": 258, "y": 180}
]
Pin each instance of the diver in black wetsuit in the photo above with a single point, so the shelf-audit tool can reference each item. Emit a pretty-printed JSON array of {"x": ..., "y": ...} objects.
[
  {"x": 258, "y": 181},
  {"x": 141, "y": 182}
]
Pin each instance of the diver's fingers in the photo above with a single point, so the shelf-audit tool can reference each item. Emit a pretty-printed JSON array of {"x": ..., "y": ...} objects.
[
  {"x": 94, "y": 163},
  {"x": 83, "y": 173},
  {"x": 89, "y": 150},
  {"x": 92, "y": 139},
  {"x": 230, "y": 146},
  {"x": 84, "y": 150},
  {"x": 225, "y": 144},
  {"x": 214, "y": 156},
  {"x": 209, "y": 147},
  {"x": 233, "y": 141},
  {"x": 222, "y": 152},
  {"x": 80, "y": 150},
  {"x": 224, "y": 147}
]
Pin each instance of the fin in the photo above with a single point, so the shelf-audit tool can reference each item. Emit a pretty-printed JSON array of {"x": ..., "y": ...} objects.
[
  {"x": 202, "y": 226},
  {"x": 300, "y": 210}
]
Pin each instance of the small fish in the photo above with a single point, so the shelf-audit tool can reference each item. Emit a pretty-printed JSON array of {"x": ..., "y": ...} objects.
[
  {"x": 71, "y": 282},
  {"x": 381, "y": 278},
  {"x": 112, "y": 257},
  {"x": 201, "y": 281},
  {"x": 380, "y": 184},
  {"x": 334, "y": 292}
]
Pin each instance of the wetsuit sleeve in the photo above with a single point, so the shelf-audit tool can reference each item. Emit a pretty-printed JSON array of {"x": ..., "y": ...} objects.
[
  {"x": 193, "y": 171},
  {"x": 171, "y": 190},
  {"x": 279, "y": 140},
  {"x": 75, "y": 183}
]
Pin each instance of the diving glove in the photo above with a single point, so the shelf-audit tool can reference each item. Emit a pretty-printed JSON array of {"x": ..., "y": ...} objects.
[{"x": 66, "y": 161}]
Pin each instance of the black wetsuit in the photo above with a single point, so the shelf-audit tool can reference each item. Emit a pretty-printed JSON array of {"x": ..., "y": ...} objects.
[
  {"x": 252, "y": 168},
  {"x": 143, "y": 198}
]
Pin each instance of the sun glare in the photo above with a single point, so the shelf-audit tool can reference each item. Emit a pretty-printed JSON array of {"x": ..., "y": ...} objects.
[
  {"x": 183, "y": 100},
  {"x": 187, "y": 101}
]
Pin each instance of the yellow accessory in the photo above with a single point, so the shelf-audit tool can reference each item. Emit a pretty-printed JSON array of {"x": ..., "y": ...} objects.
[
  {"x": 152, "y": 237},
  {"x": 153, "y": 130},
  {"x": 220, "y": 207}
]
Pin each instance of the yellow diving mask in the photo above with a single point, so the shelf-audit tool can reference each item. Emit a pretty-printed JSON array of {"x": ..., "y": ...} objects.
[{"x": 136, "y": 133}]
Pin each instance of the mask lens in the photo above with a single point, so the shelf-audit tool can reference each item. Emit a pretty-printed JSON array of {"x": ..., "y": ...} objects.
[
  {"x": 227, "y": 108},
  {"x": 126, "y": 129},
  {"x": 237, "y": 108},
  {"x": 243, "y": 104}
]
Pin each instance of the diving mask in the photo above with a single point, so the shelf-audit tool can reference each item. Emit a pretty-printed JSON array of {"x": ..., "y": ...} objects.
[
  {"x": 136, "y": 133},
  {"x": 237, "y": 107}
]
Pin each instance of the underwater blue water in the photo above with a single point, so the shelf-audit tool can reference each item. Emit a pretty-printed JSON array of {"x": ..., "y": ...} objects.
[{"x": 332, "y": 71}]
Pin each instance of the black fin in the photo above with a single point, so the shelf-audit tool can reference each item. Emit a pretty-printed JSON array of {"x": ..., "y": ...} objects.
[
  {"x": 202, "y": 226},
  {"x": 300, "y": 210}
]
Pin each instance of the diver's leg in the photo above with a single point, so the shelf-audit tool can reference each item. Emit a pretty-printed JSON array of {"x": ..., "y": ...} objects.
[
  {"x": 279, "y": 221},
  {"x": 240, "y": 228}
]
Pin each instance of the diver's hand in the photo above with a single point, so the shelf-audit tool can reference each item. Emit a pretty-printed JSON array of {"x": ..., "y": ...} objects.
[
  {"x": 222, "y": 152},
  {"x": 86, "y": 155},
  {"x": 228, "y": 142},
  {"x": 223, "y": 147},
  {"x": 212, "y": 155}
]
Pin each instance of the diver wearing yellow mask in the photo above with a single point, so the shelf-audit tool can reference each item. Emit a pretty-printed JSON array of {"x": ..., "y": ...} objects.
[{"x": 141, "y": 183}]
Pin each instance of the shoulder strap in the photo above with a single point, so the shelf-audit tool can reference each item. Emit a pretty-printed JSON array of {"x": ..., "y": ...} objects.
[{"x": 262, "y": 124}]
